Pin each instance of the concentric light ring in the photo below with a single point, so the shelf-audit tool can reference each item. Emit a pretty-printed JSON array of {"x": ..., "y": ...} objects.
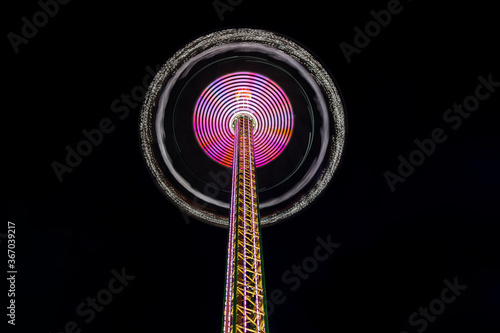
[
  {"x": 328, "y": 110},
  {"x": 237, "y": 93}
]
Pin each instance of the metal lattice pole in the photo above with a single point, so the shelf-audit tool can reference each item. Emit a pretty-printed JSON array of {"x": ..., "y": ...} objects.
[{"x": 244, "y": 308}]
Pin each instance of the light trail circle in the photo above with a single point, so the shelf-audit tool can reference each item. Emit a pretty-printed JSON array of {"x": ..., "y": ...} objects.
[
  {"x": 295, "y": 167},
  {"x": 243, "y": 93}
]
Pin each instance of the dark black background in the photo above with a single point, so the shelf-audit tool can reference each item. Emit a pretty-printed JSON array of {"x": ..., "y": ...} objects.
[{"x": 396, "y": 247}]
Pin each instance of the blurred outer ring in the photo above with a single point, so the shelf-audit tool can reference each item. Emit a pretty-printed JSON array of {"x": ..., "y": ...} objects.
[{"x": 296, "y": 52}]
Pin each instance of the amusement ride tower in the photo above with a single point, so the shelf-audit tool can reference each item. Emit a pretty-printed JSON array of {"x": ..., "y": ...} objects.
[{"x": 258, "y": 110}]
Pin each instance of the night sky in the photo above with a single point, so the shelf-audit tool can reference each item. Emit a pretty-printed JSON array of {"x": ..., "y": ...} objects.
[{"x": 390, "y": 246}]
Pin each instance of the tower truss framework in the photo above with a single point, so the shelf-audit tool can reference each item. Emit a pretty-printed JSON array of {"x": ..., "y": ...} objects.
[
  {"x": 245, "y": 301},
  {"x": 297, "y": 180}
]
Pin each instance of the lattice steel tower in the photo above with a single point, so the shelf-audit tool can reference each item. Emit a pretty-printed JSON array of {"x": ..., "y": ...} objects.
[
  {"x": 242, "y": 102},
  {"x": 244, "y": 308}
]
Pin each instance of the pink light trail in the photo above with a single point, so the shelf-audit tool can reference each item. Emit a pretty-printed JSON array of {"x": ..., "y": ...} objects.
[{"x": 249, "y": 93}]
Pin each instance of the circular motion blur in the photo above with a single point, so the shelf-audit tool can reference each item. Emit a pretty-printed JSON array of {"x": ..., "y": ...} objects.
[
  {"x": 238, "y": 93},
  {"x": 188, "y": 117}
]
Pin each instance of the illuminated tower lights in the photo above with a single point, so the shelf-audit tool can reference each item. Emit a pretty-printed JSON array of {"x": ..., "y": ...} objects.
[
  {"x": 235, "y": 107},
  {"x": 243, "y": 120}
]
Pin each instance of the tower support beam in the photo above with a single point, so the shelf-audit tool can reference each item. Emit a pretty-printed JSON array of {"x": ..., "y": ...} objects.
[{"x": 244, "y": 307}]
